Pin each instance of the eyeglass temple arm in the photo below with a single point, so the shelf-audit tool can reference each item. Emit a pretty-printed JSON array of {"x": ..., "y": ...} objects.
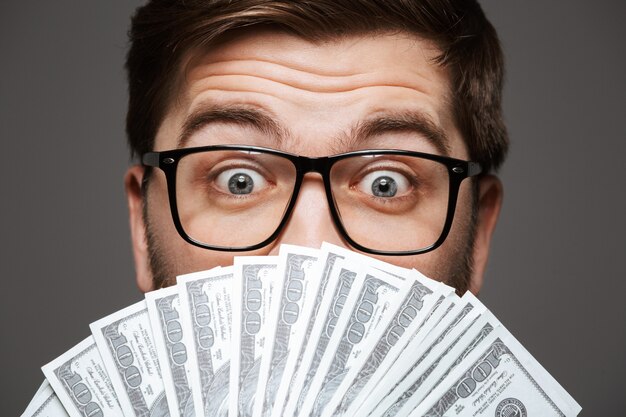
[
  {"x": 473, "y": 168},
  {"x": 151, "y": 159}
]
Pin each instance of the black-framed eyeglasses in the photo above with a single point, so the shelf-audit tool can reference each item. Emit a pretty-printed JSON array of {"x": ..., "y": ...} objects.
[{"x": 238, "y": 198}]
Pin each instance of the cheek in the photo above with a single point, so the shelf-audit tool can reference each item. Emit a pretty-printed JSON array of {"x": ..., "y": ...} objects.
[
  {"x": 457, "y": 246},
  {"x": 462, "y": 214},
  {"x": 447, "y": 260}
]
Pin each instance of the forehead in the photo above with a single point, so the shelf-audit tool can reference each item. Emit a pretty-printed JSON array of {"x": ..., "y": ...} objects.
[
  {"x": 300, "y": 82},
  {"x": 347, "y": 55}
]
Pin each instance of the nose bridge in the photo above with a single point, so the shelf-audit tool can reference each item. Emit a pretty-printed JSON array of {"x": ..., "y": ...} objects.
[{"x": 311, "y": 222}]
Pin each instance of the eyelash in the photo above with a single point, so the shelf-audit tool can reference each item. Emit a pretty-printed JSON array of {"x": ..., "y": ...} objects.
[{"x": 239, "y": 165}]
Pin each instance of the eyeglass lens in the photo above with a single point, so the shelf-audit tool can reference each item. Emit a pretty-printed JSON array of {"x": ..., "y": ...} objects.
[
  {"x": 233, "y": 198},
  {"x": 391, "y": 202}
]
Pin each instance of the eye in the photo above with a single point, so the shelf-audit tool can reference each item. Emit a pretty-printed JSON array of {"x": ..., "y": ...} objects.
[
  {"x": 240, "y": 181},
  {"x": 384, "y": 184}
]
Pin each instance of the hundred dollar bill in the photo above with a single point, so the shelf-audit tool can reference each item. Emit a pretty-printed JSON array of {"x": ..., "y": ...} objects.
[
  {"x": 498, "y": 378},
  {"x": 416, "y": 331},
  {"x": 206, "y": 317},
  {"x": 253, "y": 293},
  {"x": 412, "y": 311},
  {"x": 358, "y": 329},
  {"x": 81, "y": 382},
  {"x": 45, "y": 403},
  {"x": 324, "y": 267},
  {"x": 342, "y": 278},
  {"x": 164, "y": 312},
  {"x": 382, "y": 382},
  {"x": 296, "y": 281},
  {"x": 447, "y": 360},
  {"x": 449, "y": 333},
  {"x": 126, "y": 344},
  {"x": 305, "y": 369}
]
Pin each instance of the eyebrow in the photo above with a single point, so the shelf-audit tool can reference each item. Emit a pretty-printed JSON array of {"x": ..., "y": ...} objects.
[
  {"x": 261, "y": 120},
  {"x": 404, "y": 121},
  {"x": 239, "y": 114}
]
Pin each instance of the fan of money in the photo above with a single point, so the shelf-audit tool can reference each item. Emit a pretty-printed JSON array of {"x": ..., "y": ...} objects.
[{"x": 310, "y": 333}]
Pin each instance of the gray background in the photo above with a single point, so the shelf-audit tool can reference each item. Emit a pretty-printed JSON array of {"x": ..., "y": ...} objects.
[{"x": 556, "y": 276}]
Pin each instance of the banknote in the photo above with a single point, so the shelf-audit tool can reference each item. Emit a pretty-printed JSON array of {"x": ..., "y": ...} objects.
[
  {"x": 310, "y": 333},
  {"x": 498, "y": 378},
  {"x": 452, "y": 356},
  {"x": 306, "y": 368},
  {"x": 206, "y": 316},
  {"x": 172, "y": 352},
  {"x": 450, "y": 331},
  {"x": 383, "y": 382},
  {"x": 126, "y": 344},
  {"x": 296, "y": 279},
  {"x": 434, "y": 314},
  {"x": 412, "y": 312},
  {"x": 45, "y": 403},
  {"x": 335, "y": 299},
  {"x": 81, "y": 382},
  {"x": 324, "y": 267},
  {"x": 253, "y": 290},
  {"x": 357, "y": 330}
]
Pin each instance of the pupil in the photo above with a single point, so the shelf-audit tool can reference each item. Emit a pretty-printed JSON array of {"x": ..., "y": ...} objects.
[
  {"x": 240, "y": 184},
  {"x": 384, "y": 187}
]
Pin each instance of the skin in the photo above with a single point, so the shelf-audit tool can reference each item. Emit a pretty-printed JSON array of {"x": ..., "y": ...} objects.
[{"x": 317, "y": 93}]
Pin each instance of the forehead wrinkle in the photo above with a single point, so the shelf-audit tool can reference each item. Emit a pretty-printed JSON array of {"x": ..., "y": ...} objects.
[
  {"x": 309, "y": 79},
  {"x": 261, "y": 87},
  {"x": 269, "y": 64}
]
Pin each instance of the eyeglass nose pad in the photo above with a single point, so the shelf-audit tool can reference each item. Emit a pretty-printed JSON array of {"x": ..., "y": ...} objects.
[{"x": 310, "y": 222}]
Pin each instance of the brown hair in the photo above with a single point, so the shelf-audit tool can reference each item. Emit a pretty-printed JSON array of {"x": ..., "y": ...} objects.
[{"x": 164, "y": 30}]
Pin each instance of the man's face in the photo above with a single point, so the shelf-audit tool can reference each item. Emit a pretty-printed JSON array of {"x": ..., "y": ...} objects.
[{"x": 318, "y": 94}]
